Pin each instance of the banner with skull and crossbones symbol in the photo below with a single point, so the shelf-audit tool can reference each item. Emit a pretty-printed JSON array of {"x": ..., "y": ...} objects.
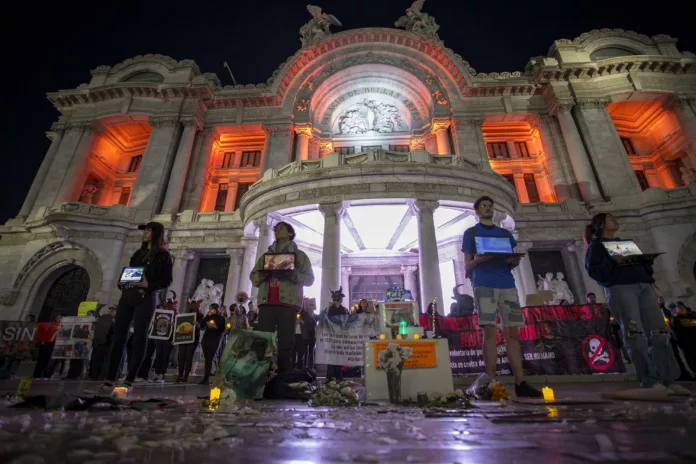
[{"x": 598, "y": 352}]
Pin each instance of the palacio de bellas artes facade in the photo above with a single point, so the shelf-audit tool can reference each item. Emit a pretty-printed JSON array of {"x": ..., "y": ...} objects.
[{"x": 373, "y": 143}]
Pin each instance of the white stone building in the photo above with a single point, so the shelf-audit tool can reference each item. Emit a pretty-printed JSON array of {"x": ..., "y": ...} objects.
[{"x": 373, "y": 143}]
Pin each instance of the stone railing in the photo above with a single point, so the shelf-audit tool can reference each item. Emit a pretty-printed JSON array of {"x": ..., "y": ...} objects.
[
  {"x": 376, "y": 156},
  {"x": 85, "y": 209},
  {"x": 191, "y": 216}
]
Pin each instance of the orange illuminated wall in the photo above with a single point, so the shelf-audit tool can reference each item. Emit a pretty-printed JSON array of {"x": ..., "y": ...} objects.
[
  {"x": 653, "y": 140},
  {"x": 235, "y": 163},
  {"x": 109, "y": 174},
  {"x": 515, "y": 151}
]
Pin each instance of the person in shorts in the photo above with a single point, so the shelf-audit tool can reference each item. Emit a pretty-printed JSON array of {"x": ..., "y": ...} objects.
[{"x": 495, "y": 292}]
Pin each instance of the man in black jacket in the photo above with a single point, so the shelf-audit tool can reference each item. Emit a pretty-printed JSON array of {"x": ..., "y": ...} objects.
[
  {"x": 214, "y": 326},
  {"x": 101, "y": 343}
]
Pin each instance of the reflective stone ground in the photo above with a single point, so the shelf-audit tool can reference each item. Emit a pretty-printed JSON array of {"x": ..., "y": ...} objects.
[{"x": 292, "y": 432}]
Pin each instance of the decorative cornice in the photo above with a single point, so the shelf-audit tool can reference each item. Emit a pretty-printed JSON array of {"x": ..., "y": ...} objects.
[
  {"x": 440, "y": 124},
  {"x": 330, "y": 210},
  {"x": 606, "y": 32},
  {"x": 164, "y": 121},
  {"x": 168, "y": 62},
  {"x": 475, "y": 122},
  {"x": 596, "y": 103},
  {"x": 425, "y": 206},
  {"x": 192, "y": 122},
  {"x": 304, "y": 129},
  {"x": 277, "y": 128},
  {"x": 417, "y": 143}
]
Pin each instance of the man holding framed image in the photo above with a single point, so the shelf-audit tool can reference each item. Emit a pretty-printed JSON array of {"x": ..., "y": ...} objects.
[{"x": 281, "y": 275}]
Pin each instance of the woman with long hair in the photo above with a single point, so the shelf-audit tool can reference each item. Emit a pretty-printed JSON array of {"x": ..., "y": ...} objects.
[
  {"x": 138, "y": 302},
  {"x": 628, "y": 286}
]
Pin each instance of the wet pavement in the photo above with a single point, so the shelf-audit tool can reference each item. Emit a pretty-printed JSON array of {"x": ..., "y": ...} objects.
[{"x": 292, "y": 432}]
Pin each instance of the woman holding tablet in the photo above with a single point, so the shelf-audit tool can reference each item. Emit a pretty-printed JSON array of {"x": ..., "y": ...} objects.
[
  {"x": 628, "y": 286},
  {"x": 138, "y": 301}
]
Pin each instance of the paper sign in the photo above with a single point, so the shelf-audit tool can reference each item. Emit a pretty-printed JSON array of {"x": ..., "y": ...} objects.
[
  {"x": 423, "y": 353},
  {"x": 74, "y": 339},
  {"x": 46, "y": 332},
  {"x": 184, "y": 328},
  {"x": 24, "y": 386},
  {"x": 86, "y": 306},
  {"x": 162, "y": 324}
]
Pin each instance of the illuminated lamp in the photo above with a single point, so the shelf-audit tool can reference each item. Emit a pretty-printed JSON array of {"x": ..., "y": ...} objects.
[
  {"x": 548, "y": 394},
  {"x": 416, "y": 336},
  {"x": 382, "y": 336}
]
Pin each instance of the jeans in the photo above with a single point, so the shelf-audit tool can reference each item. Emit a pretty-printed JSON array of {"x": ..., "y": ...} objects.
[
  {"x": 98, "y": 364},
  {"x": 186, "y": 359},
  {"x": 163, "y": 349},
  {"x": 209, "y": 345},
  {"x": 137, "y": 308},
  {"x": 281, "y": 319},
  {"x": 645, "y": 334}
]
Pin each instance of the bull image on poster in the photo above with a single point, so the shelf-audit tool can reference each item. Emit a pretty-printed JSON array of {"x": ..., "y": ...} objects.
[
  {"x": 162, "y": 324},
  {"x": 245, "y": 363}
]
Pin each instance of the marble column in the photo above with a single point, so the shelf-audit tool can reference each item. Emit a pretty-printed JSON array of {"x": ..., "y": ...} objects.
[
  {"x": 683, "y": 108},
  {"x": 611, "y": 164},
  {"x": 153, "y": 175},
  {"x": 525, "y": 269},
  {"x": 331, "y": 251},
  {"x": 573, "y": 276},
  {"x": 590, "y": 284},
  {"x": 439, "y": 129},
  {"x": 233, "y": 275},
  {"x": 460, "y": 275},
  {"x": 428, "y": 257},
  {"x": 278, "y": 148},
  {"x": 304, "y": 133},
  {"x": 264, "y": 225},
  {"x": 75, "y": 173},
  {"x": 554, "y": 165},
  {"x": 345, "y": 283},
  {"x": 198, "y": 178},
  {"x": 521, "y": 187},
  {"x": 587, "y": 183},
  {"x": 519, "y": 285},
  {"x": 175, "y": 187},
  {"x": 56, "y": 137},
  {"x": 181, "y": 262},
  {"x": 249, "y": 244},
  {"x": 409, "y": 273},
  {"x": 469, "y": 141}
]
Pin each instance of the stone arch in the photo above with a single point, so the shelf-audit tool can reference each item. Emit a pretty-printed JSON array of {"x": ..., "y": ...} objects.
[
  {"x": 45, "y": 266},
  {"x": 595, "y": 40},
  {"x": 374, "y": 45},
  {"x": 686, "y": 265},
  {"x": 171, "y": 70},
  {"x": 144, "y": 76}
]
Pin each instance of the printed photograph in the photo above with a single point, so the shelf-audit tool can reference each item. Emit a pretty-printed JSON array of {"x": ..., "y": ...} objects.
[
  {"x": 279, "y": 262},
  {"x": 65, "y": 331},
  {"x": 62, "y": 351},
  {"x": 245, "y": 363},
  {"x": 82, "y": 331}
]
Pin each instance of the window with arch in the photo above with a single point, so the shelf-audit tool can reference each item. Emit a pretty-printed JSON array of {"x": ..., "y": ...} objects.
[
  {"x": 144, "y": 76},
  {"x": 610, "y": 52}
]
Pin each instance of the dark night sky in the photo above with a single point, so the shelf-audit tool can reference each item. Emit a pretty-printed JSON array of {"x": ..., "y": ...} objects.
[{"x": 54, "y": 47}]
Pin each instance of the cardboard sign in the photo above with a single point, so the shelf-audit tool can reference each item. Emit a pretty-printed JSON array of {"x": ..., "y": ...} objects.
[
  {"x": 423, "y": 353},
  {"x": 74, "y": 339},
  {"x": 46, "y": 332},
  {"x": 184, "y": 329},
  {"x": 85, "y": 307},
  {"x": 162, "y": 324},
  {"x": 24, "y": 386}
]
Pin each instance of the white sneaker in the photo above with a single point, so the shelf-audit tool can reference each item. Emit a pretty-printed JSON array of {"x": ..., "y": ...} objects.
[
  {"x": 100, "y": 390},
  {"x": 659, "y": 386},
  {"x": 677, "y": 390}
]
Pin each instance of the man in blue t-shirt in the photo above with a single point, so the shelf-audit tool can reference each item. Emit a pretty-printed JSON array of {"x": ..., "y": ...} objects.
[{"x": 494, "y": 291}]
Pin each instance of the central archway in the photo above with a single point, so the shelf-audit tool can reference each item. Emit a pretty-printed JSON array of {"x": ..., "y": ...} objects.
[{"x": 67, "y": 288}]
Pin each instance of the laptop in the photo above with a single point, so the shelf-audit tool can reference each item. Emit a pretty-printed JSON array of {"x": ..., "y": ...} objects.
[
  {"x": 132, "y": 274},
  {"x": 279, "y": 262},
  {"x": 499, "y": 246},
  {"x": 628, "y": 249}
]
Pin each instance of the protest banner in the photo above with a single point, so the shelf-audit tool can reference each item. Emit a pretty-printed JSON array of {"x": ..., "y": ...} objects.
[
  {"x": 85, "y": 307},
  {"x": 556, "y": 340},
  {"x": 341, "y": 339},
  {"x": 17, "y": 339},
  {"x": 245, "y": 363},
  {"x": 423, "y": 353},
  {"x": 74, "y": 338},
  {"x": 184, "y": 329},
  {"x": 162, "y": 324},
  {"x": 46, "y": 332}
]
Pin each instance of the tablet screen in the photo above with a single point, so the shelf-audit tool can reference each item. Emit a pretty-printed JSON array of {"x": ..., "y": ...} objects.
[
  {"x": 132, "y": 274},
  {"x": 622, "y": 248},
  {"x": 279, "y": 262},
  {"x": 493, "y": 245}
]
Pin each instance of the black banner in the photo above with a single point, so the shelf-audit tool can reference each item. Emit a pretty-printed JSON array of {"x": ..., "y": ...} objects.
[{"x": 556, "y": 340}]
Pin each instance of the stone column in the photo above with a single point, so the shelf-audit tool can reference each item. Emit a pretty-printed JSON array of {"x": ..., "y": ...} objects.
[
  {"x": 325, "y": 147},
  {"x": 181, "y": 262},
  {"x": 525, "y": 269},
  {"x": 460, "y": 275},
  {"x": 74, "y": 175},
  {"x": 469, "y": 141},
  {"x": 439, "y": 129},
  {"x": 278, "y": 149},
  {"x": 611, "y": 163},
  {"x": 573, "y": 273},
  {"x": 519, "y": 285},
  {"x": 331, "y": 251},
  {"x": 153, "y": 175},
  {"x": 175, "y": 188},
  {"x": 554, "y": 165},
  {"x": 233, "y": 275},
  {"x": 409, "y": 273},
  {"x": 198, "y": 179},
  {"x": 249, "y": 244},
  {"x": 521, "y": 187},
  {"x": 304, "y": 133},
  {"x": 345, "y": 283},
  {"x": 683, "y": 108},
  {"x": 589, "y": 284},
  {"x": 264, "y": 225},
  {"x": 512, "y": 151},
  {"x": 587, "y": 183},
  {"x": 428, "y": 257},
  {"x": 56, "y": 137}
]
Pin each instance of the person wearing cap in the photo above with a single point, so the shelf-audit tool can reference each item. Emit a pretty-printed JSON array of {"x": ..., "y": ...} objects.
[{"x": 138, "y": 302}]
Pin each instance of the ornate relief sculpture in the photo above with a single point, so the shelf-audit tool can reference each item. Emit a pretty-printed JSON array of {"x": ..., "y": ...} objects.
[
  {"x": 418, "y": 22},
  {"x": 370, "y": 116},
  {"x": 318, "y": 27},
  {"x": 688, "y": 175},
  {"x": 558, "y": 287},
  {"x": 87, "y": 194}
]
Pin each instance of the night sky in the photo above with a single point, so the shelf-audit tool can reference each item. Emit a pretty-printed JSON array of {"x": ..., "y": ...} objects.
[{"x": 47, "y": 48}]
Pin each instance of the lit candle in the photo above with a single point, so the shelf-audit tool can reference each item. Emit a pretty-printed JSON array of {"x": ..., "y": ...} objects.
[
  {"x": 214, "y": 394},
  {"x": 229, "y": 326},
  {"x": 298, "y": 315},
  {"x": 120, "y": 393},
  {"x": 382, "y": 336},
  {"x": 548, "y": 394},
  {"x": 416, "y": 336}
]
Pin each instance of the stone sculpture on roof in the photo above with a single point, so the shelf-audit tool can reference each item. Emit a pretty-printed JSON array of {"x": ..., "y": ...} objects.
[
  {"x": 318, "y": 27},
  {"x": 418, "y": 22}
]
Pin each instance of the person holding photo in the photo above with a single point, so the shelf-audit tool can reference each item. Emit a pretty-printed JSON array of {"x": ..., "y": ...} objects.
[
  {"x": 138, "y": 302},
  {"x": 628, "y": 287},
  {"x": 281, "y": 293}
]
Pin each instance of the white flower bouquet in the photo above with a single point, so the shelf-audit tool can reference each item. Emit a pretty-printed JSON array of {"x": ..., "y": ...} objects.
[{"x": 394, "y": 357}]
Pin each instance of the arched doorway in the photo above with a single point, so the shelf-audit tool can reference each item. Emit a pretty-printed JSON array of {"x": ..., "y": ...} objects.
[{"x": 65, "y": 294}]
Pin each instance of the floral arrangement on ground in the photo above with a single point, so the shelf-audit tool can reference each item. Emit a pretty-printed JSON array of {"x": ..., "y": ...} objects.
[
  {"x": 394, "y": 356},
  {"x": 336, "y": 394}
]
